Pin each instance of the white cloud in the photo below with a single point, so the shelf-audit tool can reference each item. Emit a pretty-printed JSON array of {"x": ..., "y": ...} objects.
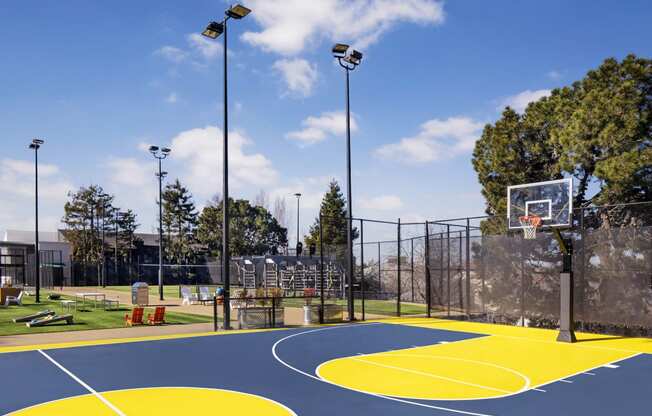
[
  {"x": 299, "y": 75},
  {"x": 317, "y": 129},
  {"x": 130, "y": 172},
  {"x": 554, "y": 74},
  {"x": 172, "y": 54},
  {"x": 197, "y": 156},
  {"x": 17, "y": 187},
  {"x": 381, "y": 203},
  {"x": 520, "y": 101},
  {"x": 172, "y": 98},
  {"x": 207, "y": 48},
  {"x": 289, "y": 26},
  {"x": 436, "y": 140}
]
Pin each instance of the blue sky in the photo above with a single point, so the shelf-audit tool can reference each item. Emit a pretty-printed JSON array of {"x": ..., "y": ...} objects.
[{"x": 101, "y": 80}]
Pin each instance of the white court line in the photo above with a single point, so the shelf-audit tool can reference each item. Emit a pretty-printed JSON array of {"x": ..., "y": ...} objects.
[
  {"x": 84, "y": 385},
  {"x": 611, "y": 366},
  {"x": 420, "y": 373},
  {"x": 539, "y": 390},
  {"x": 565, "y": 381},
  {"x": 588, "y": 374},
  {"x": 275, "y": 354}
]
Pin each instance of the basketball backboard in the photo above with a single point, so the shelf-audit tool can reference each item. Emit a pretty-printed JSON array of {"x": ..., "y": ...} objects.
[{"x": 550, "y": 200}]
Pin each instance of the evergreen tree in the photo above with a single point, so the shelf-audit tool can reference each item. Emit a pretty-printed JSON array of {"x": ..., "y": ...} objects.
[
  {"x": 333, "y": 212},
  {"x": 253, "y": 229},
  {"x": 179, "y": 223},
  {"x": 598, "y": 130}
]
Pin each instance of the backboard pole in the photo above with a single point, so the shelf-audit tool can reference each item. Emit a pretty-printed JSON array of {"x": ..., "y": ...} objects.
[{"x": 566, "y": 283}]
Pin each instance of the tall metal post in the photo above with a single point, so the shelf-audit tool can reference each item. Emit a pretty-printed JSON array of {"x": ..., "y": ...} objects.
[
  {"x": 226, "y": 255},
  {"x": 103, "y": 242},
  {"x": 160, "y": 230},
  {"x": 321, "y": 269},
  {"x": 427, "y": 268},
  {"x": 115, "y": 252},
  {"x": 298, "y": 211},
  {"x": 362, "y": 266},
  {"x": 37, "y": 265},
  {"x": 349, "y": 202},
  {"x": 398, "y": 269}
]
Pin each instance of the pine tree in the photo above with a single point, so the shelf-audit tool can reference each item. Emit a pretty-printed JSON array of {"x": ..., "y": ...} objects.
[
  {"x": 179, "y": 223},
  {"x": 334, "y": 220}
]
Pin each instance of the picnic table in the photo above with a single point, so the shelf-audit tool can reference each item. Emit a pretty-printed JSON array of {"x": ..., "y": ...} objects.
[
  {"x": 66, "y": 304},
  {"x": 95, "y": 295}
]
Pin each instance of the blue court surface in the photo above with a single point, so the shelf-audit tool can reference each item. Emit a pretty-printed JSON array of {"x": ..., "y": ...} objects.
[{"x": 281, "y": 367}]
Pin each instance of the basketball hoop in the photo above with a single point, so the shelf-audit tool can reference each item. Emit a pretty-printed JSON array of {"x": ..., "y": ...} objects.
[{"x": 530, "y": 223}]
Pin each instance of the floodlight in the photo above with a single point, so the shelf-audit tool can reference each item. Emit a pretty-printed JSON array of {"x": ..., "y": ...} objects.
[
  {"x": 339, "y": 50},
  {"x": 153, "y": 149},
  {"x": 166, "y": 150},
  {"x": 354, "y": 58},
  {"x": 213, "y": 30},
  {"x": 356, "y": 55},
  {"x": 238, "y": 11},
  {"x": 38, "y": 141}
]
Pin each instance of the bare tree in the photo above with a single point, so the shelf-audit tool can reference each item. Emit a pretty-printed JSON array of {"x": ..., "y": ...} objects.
[
  {"x": 262, "y": 200},
  {"x": 281, "y": 211}
]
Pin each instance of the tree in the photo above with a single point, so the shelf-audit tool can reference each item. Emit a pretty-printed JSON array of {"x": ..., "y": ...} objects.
[
  {"x": 179, "y": 223},
  {"x": 281, "y": 211},
  {"x": 598, "y": 130},
  {"x": 127, "y": 225},
  {"x": 334, "y": 220},
  {"x": 86, "y": 214},
  {"x": 253, "y": 229}
]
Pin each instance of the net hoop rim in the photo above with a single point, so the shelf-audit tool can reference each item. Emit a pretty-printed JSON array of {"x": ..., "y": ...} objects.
[{"x": 530, "y": 223}]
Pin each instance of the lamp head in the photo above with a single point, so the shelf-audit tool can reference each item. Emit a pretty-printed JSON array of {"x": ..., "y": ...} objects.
[
  {"x": 153, "y": 149},
  {"x": 354, "y": 58},
  {"x": 166, "y": 150},
  {"x": 213, "y": 30},
  {"x": 339, "y": 50},
  {"x": 237, "y": 11}
]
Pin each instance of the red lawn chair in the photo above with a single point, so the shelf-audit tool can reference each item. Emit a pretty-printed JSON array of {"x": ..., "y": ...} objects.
[
  {"x": 158, "y": 318},
  {"x": 136, "y": 317}
]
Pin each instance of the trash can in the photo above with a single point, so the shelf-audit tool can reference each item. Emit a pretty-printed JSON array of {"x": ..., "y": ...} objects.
[{"x": 140, "y": 293}]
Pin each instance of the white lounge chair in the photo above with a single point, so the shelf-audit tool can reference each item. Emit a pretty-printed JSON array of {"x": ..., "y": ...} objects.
[
  {"x": 205, "y": 295},
  {"x": 15, "y": 300},
  {"x": 188, "y": 297}
]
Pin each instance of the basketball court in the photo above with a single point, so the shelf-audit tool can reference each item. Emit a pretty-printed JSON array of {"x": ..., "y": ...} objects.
[{"x": 405, "y": 366}]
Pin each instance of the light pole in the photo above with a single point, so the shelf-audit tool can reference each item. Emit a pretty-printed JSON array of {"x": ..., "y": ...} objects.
[
  {"x": 298, "y": 195},
  {"x": 212, "y": 31},
  {"x": 102, "y": 200},
  {"x": 35, "y": 145},
  {"x": 348, "y": 61},
  {"x": 160, "y": 154}
]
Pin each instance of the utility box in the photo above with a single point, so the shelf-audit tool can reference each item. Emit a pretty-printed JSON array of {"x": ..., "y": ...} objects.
[{"x": 140, "y": 293}]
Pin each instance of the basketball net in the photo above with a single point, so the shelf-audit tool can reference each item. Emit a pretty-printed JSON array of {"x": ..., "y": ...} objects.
[{"x": 530, "y": 223}]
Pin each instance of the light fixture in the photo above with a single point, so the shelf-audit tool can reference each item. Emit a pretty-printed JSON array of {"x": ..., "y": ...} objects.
[
  {"x": 153, "y": 149},
  {"x": 213, "y": 30},
  {"x": 36, "y": 143},
  {"x": 166, "y": 150},
  {"x": 238, "y": 11},
  {"x": 339, "y": 50},
  {"x": 354, "y": 58}
]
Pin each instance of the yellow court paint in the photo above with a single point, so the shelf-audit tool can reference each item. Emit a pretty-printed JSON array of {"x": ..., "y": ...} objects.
[
  {"x": 162, "y": 401},
  {"x": 508, "y": 361}
]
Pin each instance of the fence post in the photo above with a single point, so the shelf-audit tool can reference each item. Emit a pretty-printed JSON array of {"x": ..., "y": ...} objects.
[
  {"x": 412, "y": 266},
  {"x": 215, "y": 313},
  {"x": 380, "y": 283},
  {"x": 362, "y": 266},
  {"x": 321, "y": 269},
  {"x": 398, "y": 270},
  {"x": 448, "y": 268},
  {"x": 468, "y": 266},
  {"x": 460, "y": 286},
  {"x": 427, "y": 268}
]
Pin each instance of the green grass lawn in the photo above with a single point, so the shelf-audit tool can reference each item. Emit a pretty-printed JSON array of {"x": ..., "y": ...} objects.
[
  {"x": 377, "y": 307},
  {"x": 169, "y": 291},
  {"x": 87, "y": 318}
]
